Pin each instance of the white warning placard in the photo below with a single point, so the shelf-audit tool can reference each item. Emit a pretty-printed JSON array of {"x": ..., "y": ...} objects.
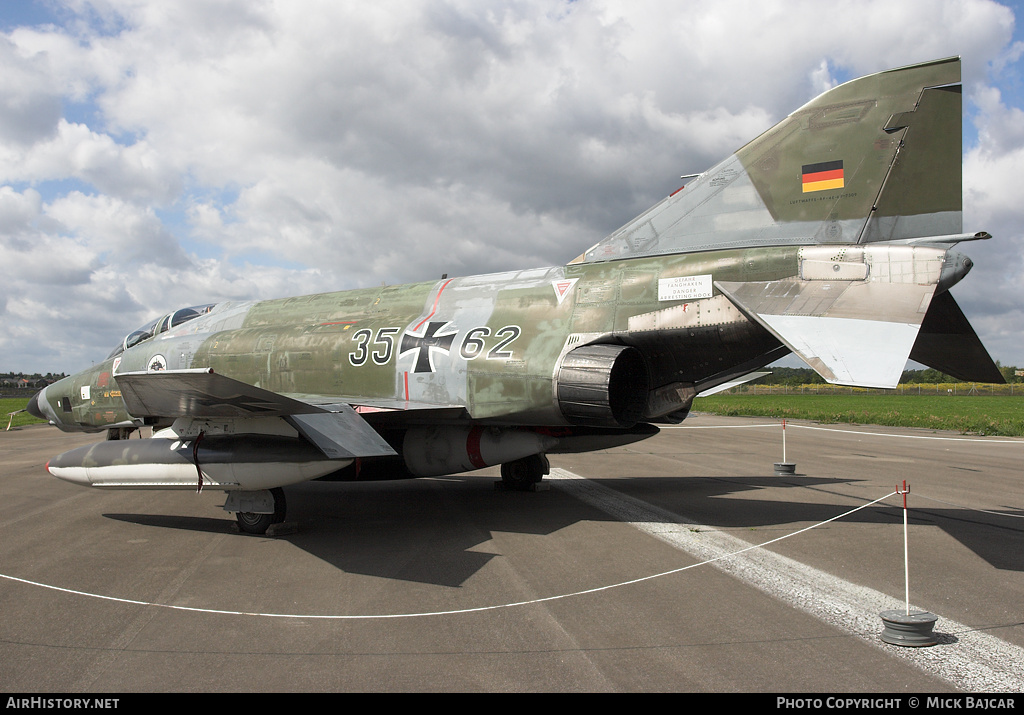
[{"x": 684, "y": 288}]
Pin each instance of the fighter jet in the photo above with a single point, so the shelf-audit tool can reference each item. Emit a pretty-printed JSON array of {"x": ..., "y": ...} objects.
[{"x": 829, "y": 236}]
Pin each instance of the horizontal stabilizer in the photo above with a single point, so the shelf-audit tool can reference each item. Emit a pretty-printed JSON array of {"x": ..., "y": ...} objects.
[
  {"x": 851, "y": 332},
  {"x": 948, "y": 343}
]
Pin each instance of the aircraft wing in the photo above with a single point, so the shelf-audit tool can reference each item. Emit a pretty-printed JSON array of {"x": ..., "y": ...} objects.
[
  {"x": 339, "y": 432},
  {"x": 392, "y": 411}
]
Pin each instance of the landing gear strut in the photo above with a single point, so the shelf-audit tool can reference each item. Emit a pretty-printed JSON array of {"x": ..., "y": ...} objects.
[
  {"x": 250, "y": 522},
  {"x": 523, "y": 474}
]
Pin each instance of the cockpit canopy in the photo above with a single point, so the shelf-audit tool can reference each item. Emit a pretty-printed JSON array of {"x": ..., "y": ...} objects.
[{"x": 161, "y": 325}]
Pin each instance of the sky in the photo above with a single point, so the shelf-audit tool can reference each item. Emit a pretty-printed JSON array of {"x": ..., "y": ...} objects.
[{"x": 157, "y": 155}]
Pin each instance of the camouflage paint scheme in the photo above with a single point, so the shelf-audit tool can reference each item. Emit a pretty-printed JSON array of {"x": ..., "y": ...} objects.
[
  {"x": 830, "y": 236},
  {"x": 508, "y": 332}
]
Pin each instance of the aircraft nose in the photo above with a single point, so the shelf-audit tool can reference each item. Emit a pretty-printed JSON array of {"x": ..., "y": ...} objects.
[{"x": 33, "y": 406}]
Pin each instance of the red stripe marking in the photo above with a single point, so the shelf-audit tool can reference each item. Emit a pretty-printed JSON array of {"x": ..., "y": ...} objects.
[
  {"x": 434, "y": 309},
  {"x": 823, "y": 176},
  {"x": 406, "y": 377},
  {"x": 473, "y": 448},
  {"x": 366, "y": 409}
]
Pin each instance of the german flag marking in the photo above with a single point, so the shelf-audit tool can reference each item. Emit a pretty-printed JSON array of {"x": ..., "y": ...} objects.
[{"x": 823, "y": 176}]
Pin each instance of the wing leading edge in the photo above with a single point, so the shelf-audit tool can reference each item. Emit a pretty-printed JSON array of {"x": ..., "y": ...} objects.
[{"x": 339, "y": 432}]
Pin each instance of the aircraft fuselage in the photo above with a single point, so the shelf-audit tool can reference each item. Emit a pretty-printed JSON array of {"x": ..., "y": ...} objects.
[{"x": 491, "y": 344}]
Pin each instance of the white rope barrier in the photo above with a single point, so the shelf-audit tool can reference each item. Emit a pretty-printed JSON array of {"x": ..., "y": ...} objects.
[{"x": 423, "y": 614}]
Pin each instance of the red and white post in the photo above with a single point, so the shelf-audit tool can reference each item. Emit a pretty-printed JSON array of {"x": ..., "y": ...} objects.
[
  {"x": 906, "y": 551},
  {"x": 903, "y": 627}
]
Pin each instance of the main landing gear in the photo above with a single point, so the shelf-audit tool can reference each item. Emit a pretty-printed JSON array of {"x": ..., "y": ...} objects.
[
  {"x": 525, "y": 474},
  {"x": 255, "y": 512}
]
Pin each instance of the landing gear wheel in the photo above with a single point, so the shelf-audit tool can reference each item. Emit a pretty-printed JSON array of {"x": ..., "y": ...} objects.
[
  {"x": 253, "y": 523},
  {"x": 523, "y": 474}
]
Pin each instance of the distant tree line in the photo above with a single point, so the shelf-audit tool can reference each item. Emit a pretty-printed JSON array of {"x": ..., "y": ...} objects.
[
  {"x": 23, "y": 380},
  {"x": 794, "y": 376}
]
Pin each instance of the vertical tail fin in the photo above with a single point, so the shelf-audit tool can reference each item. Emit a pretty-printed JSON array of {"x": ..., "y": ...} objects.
[{"x": 874, "y": 159}]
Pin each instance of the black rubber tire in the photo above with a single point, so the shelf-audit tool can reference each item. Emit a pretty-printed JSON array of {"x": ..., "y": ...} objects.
[
  {"x": 524, "y": 473},
  {"x": 252, "y": 523}
]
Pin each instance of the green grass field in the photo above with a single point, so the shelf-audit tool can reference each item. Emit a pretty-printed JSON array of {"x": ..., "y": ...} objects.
[
  {"x": 10, "y": 404},
  {"x": 988, "y": 414}
]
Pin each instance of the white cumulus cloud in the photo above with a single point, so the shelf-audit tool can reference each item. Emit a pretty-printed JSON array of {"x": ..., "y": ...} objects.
[{"x": 155, "y": 155}]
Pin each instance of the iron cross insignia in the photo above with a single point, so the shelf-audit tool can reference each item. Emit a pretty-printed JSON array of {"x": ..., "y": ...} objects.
[{"x": 426, "y": 343}]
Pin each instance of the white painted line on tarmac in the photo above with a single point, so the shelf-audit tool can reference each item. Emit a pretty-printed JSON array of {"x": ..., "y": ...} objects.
[
  {"x": 794, "y": 425},
  {"x": 767, "y": 424},
  {"x": 987, "y": 440},
  {"x": 968, "y": 659},
  {"x": 597, "y": 589}
]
